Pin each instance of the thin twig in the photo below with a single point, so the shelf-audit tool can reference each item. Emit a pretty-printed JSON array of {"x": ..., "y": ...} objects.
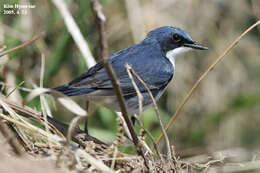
[
  {"x": 114, "y": 158},
  {"x": 101, "y": 19},
  {"x": 152, "y": 139},
  {"x": 140, "y": 100},
  {"x": 169, "y": 153},
  {"x": 97, "y": 8},
  {"x": 93, "y": 161},
  {"x": 22, "y": 45},
  {"x": 139, "y": 95},
  {"x": 10, "y": 78},
  {"x": 42, "y": 99},
  {"x": 86, "y": 120},
  {"x": 42, "y": 70},
  {"x": 75, "y": 32},
  {"x": 73, "y": 125},
  {"x": 211, "y": 67},
  {"x": 13, "y": 90},
  {"x": 53, "y": 137},
  {"x": 2, "y": 84}
]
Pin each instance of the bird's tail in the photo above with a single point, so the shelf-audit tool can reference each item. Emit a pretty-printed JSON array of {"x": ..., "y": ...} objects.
[{"x": 68, "y": 90}]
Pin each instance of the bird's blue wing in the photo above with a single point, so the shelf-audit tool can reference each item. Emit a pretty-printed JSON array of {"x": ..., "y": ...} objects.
[{"x": 147, "y": 61}]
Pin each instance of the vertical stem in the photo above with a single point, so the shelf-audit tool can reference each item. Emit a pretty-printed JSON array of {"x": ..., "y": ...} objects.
[{"x": 97, "y": 8}]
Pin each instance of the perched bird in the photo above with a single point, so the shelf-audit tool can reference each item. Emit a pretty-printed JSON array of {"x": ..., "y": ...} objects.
[{"x": 153, "y": 60}]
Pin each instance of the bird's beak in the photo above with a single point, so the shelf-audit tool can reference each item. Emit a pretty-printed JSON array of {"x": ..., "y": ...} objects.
[{"x": 195, "y": 46}]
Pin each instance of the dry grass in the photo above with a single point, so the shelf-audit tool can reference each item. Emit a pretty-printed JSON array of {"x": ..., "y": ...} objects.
[{"x": 94, "y": 157}]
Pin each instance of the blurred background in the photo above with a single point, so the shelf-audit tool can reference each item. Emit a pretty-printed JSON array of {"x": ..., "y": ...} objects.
[{"x": 222, "y": 114}]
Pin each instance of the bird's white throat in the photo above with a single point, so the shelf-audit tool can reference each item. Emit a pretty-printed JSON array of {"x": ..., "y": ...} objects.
[{"x": 175, "y": 53}]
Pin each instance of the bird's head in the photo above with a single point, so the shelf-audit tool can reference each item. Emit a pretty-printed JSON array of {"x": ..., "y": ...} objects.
[{"x": 174, "y": 41}]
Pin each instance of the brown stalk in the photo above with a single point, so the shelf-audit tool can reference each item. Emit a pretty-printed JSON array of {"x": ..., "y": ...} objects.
[
  {"x": 44, "y": 112},
  {"x": 211, "y": 67},
  {"x": 22, "y": 45},
  {"x": 140, "y": 100},
  {"x": 139, "y": 95},
  {"x": 73, "y": 126},
  {"x": 97, "y": 8},
  {"x": 169, "y": 153}
]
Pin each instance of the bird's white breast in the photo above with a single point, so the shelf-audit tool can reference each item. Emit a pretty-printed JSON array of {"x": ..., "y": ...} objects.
[{"x": 175, "y": 53}]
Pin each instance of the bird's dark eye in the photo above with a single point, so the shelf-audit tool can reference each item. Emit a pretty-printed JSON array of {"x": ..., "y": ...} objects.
[{"x": 176, "y": 38}]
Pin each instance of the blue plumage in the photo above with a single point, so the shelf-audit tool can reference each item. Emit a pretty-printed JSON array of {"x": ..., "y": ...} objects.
[
  {"x": 68, "y": 90},
  {"x": 150, "y": 61}
]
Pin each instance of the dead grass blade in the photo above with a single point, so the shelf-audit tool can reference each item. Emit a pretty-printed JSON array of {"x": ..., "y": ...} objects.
[
  {"x": 18, "y": 86},
  {"x": 195, "y": 86},
  {"x": 17, "y": 119},
  {"x": 140, "y": 102},
  {"x": 44, "y": 105},
  {"x": 94, "y": 162},
  {"x": 72, "y": 106},
  {"x": 67, "y": 102},
  {"x": 52, "y": 137},
  {"x": 3, "y": 85},
  {"x": 73, "y": 124},
  {"x": 75, "y": 32},
  {"x": 22, "y": 45},
  {"x": 168, "y": 148},
  {"x": 97, "y": 9},
  {"x": 139, "y": 95},
  {"x": 36, "y": 92}
]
